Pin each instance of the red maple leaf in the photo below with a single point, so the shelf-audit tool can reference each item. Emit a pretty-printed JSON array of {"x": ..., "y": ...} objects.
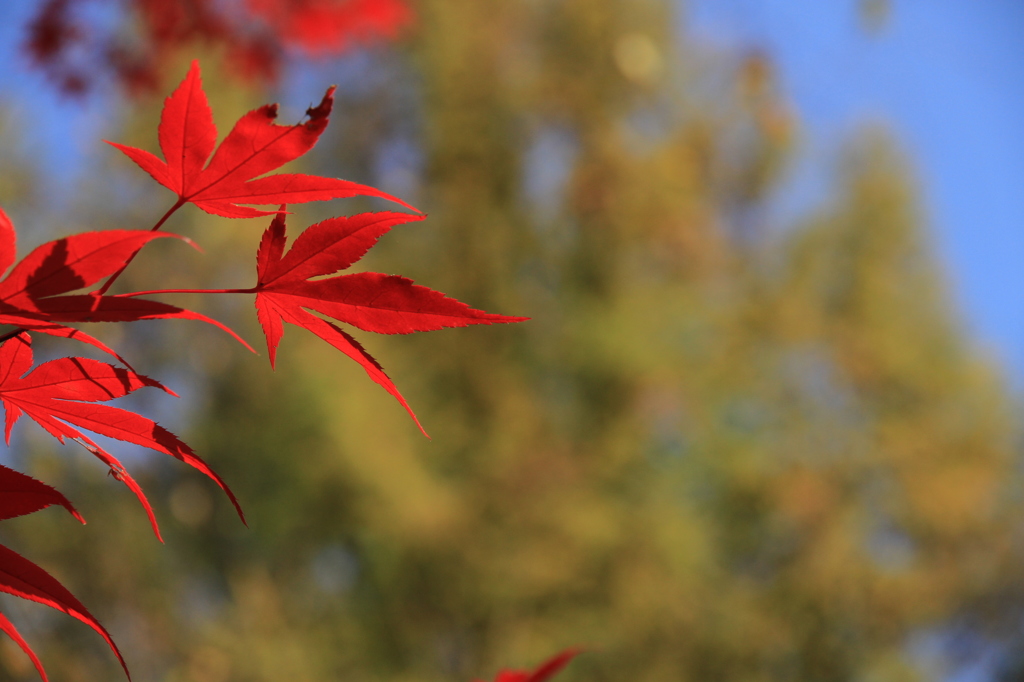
[
  {"x": 64, "y": 396},
  {"x": 19, "y": 495},
  {"x": 386, "y": 304},
  {"x": 28, "y": 294},
  {"x": 61, "y": 393},
  {"x": 255, "y": 146},
  {"x": 64, "y": 392},
  {"x": 544, "y": 671},
  {"x": 66, "y": 264}
]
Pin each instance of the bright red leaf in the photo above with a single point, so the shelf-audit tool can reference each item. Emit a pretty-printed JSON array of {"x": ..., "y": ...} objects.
[
  {"x": 12, "y": 632},
  {"x": 386, "y": 304},
  {"x": 255, "y": 146},
  {"x": 67, "y": 264},
  {"x": 65, "y": 396},
  {"x": 28, "y": 295},
  {"x": 22, "y": 578},
  {"x": 85, "y": 308},
  {"x": 544, "y": 671},
  {"x": 63, "y": 392},
  {"x": 19, "y": 495},
  {"x": 57, "y": 267}
]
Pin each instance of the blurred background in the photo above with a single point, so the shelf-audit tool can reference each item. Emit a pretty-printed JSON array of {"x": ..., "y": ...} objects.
[{"x": 763, "y": 425}]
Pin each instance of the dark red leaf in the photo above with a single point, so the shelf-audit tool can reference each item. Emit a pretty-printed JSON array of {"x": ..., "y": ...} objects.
[
  {"x": 28, "y": 294},
  {"x": 85, "y": 308},
  {"x": 21, "y": 494},
  {"x": 34, "y": 325},
  {"x": 71, "y": 263},
  {"x": 75, "y": 48}
]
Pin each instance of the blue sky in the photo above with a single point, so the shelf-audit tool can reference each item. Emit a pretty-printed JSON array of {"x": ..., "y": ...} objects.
[
  {"x": 948, "y": 77},
  {"x": 57, "y": 132}
]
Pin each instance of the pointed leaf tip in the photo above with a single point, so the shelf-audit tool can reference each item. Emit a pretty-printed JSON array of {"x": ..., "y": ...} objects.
[{"x": 22, "y": 578}]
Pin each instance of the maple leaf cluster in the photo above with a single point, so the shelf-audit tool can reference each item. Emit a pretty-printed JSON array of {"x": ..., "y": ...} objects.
[
  {"x": 255, "y": 34},
  {"x": 299, "y": 285}
]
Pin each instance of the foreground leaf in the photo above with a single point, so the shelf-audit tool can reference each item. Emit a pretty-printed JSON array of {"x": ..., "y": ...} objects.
[
  {"x": 386, "y": 304},
  {"x": 256, "y": 145},
  {"x": 12, "y": 632},
  {"x": 68, "y": 264},
  {"x": 88, "y": 308},
  {"x": 21, "y": 494},
  {"x": 22, "y": 578},
  {"x": 63, "y": 391},
  {"x": 29, "y": 293}
]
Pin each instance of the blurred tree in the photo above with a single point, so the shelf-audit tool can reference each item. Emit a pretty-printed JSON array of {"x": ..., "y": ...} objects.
[
  {"x": 717, "y": 452},
  {"x": 75, "y": 45}
]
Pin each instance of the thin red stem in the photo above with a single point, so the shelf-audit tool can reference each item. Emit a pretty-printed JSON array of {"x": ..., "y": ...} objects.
[
  {"x": 113, "y": 278},
  {"x": 186, "y": 291},
  {"x": 172, "y": 209},
  {"x": 160, "y": 223}
]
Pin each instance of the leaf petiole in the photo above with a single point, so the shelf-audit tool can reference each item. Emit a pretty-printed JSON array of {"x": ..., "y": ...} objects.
[
  {"x": 186, "y": 291},
  {"x": 160, "y": 223}
]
